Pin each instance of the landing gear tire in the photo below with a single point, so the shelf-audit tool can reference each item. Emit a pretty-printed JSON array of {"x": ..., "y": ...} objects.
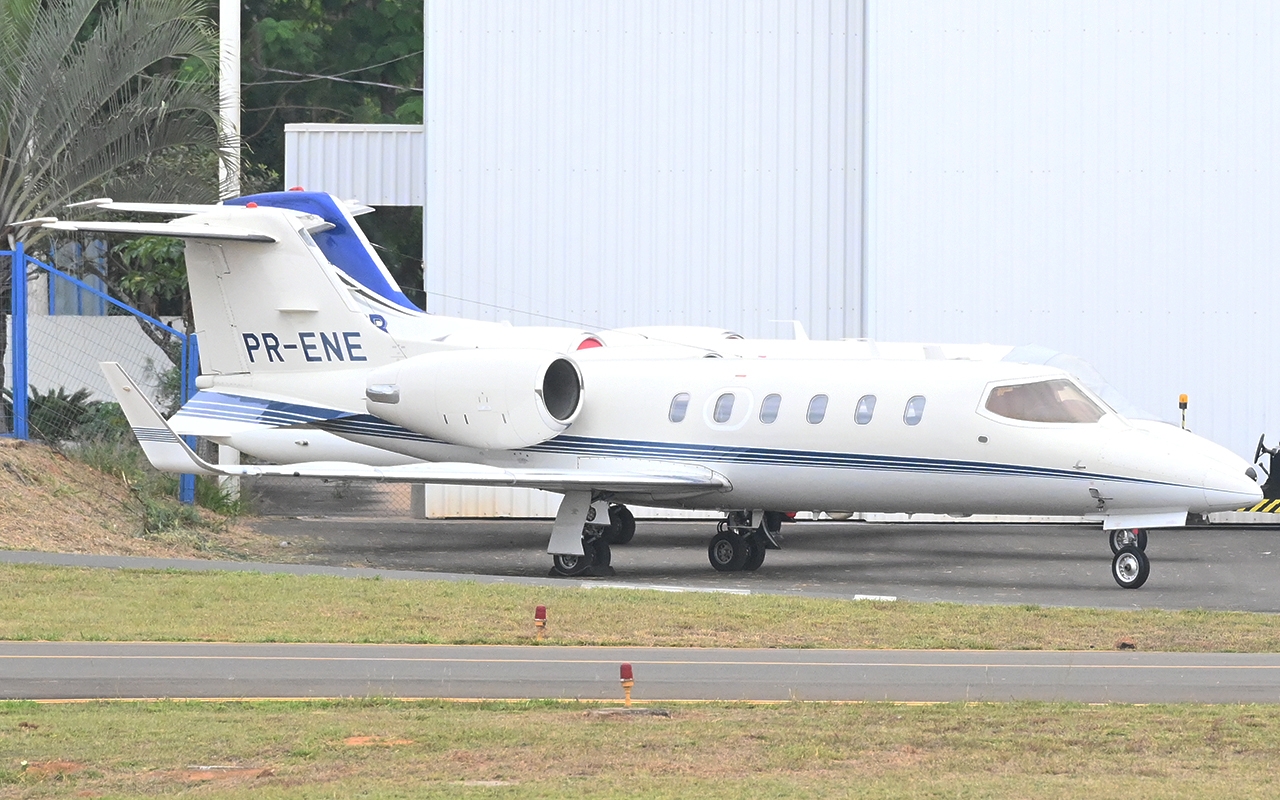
[
  {"x": 1124, "y": 537},
  {"x": 622, "y": 525},
  {"x": 571, "y": 566},
  {"x": 756, "y": 557},
  {"x": 1130, "y": 567},
  {"x": 603, "y": 555},
  {"x": 728, "y": 552}
]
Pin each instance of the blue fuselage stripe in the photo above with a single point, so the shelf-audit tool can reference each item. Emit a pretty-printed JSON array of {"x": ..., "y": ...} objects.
[{"x": 211, "y": 405}]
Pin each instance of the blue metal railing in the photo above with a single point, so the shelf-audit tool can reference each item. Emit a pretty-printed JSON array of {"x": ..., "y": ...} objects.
[{"x": 18, "y": 346}]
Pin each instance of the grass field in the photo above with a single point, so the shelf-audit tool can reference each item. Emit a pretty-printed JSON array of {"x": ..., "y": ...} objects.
[
  {"x": 55, "y": 603},
  {"x": 376, "y": 748},
  {"x": 433, "y": 749}
]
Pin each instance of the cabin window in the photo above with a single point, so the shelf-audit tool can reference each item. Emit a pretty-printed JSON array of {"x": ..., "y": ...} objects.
[
  {"x": 866, "y": 407},
  {"x": 1057, "y": 400},
  {"x": 769, "y": 408},
  {"x": 679, "y": 406},
  {"x": 914, "y": 411},
  {"x": 817, "y": 409},
  {"x": 724, "y": 407}
]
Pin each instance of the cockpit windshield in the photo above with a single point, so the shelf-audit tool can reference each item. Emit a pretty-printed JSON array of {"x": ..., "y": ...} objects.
[{"x": 1056, "y": 400}]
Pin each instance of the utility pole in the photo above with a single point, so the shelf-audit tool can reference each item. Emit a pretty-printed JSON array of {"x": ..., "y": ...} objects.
[{"x": 229, "y": 95}]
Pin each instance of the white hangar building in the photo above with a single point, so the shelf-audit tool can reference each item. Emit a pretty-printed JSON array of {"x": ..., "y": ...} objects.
[{"x": 1098, "y": 178}]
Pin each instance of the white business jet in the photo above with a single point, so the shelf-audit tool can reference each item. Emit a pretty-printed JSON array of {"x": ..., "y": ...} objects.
[{"x": 312, "y": 358}]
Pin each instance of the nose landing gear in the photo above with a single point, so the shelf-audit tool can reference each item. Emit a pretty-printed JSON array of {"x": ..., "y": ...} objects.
[
  {"x": 1130, "y": 567},
  {"x": 1123, "y": 537}
]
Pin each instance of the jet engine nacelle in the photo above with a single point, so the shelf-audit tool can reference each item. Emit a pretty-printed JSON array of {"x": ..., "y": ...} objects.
[{"x": 499, "y": 399}]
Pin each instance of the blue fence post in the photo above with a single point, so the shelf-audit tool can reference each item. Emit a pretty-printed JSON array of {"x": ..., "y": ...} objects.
[
  {"x": 18, "y": 341},
  {"x": 189, "y": 367}
]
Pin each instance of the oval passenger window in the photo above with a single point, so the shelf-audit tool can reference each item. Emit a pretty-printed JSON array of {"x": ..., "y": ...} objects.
[
  {"x": 817, "y": 409},
  {"x": 915, "y": 410},
  {"x": 724, "y": 407},
  {"x": 769, "y": 408},
  {"x": 679, "y": 405},
  {"x": 866, "y": 407}
]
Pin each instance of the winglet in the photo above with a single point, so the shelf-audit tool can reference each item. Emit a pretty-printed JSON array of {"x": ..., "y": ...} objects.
[{"x": 165, "y": 449}]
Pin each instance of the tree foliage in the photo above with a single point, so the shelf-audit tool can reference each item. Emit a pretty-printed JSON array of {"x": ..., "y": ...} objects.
[
  {"x": 98, "y": 93},
  {"x": 328, "y": 61}
]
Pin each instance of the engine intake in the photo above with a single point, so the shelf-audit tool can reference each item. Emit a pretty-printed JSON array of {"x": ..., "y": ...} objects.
[{"x": 490, "y": 399}]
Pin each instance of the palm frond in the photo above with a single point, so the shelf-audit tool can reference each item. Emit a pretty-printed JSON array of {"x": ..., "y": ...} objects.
[{"x": 91, "y": 90}]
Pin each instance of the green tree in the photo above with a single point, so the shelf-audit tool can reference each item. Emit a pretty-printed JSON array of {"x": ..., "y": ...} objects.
[
  {"x": 328, "y": 61},
  {"x": 337, "y": 61}
]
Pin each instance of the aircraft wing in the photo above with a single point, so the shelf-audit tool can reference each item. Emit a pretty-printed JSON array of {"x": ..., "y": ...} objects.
[
  {"x": 167, "y": 452},
  {"x": 176, "y": 229}
]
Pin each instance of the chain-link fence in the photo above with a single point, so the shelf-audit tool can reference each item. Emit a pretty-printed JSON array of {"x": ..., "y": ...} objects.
[{"x": 61, "y": 324}]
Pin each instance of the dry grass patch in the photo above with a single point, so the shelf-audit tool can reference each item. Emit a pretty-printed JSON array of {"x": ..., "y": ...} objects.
[
  {"x": 52, "y": 503},
  {"x": 711, "y": 750}
]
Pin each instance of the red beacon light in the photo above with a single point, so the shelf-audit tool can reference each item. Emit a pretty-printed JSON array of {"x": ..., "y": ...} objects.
[
  {"x": 250, "y": 204},
  {"x": 296, "y": 189},
  {"x": 590, "y": 342},
  {"x": 540, "y": 620}
]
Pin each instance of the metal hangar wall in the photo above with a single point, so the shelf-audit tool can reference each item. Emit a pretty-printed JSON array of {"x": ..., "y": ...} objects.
[
  {"x": 1095, "y": 177},
  {"x": 1100, "y": 178},
  {"x": 629, "y": 162}
]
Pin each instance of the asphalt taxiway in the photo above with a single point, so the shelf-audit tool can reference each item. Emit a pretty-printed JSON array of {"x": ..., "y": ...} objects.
[
  {"x": 1219, "y": 567},
  {"x": 80, "y": 670}
]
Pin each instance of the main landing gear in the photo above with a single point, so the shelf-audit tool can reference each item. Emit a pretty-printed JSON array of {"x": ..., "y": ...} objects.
[
  {"x": 601, "y": 525},
  {"x": 742, "y": 538},
  {"x": 1130, "y": 566}
]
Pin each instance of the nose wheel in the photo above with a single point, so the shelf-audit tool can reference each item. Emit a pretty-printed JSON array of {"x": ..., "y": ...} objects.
[{"x": 1130, "y": 567}]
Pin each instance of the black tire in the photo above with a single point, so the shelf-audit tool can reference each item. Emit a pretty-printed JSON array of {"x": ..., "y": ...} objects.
[
  {"x": 756, "y": 557},
  {"x": 622, "y": 525},
  {"x": 573, "y": 566},
  {"x": 1119, "y": 539},
  {"x": 1130, "y": 567},
  {"x": 603, "y": 555},
  {"x": 728, "y": 552}
]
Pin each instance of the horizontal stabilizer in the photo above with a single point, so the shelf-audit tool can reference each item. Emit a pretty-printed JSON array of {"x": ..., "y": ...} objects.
[
  {"x": 163, "y": 229},
  {"x": 169, "y": 453},
  {"x": 175, "y": 209}
]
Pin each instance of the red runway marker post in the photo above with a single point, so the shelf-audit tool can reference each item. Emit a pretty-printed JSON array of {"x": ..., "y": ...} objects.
[{"x": 628, "y": 680}]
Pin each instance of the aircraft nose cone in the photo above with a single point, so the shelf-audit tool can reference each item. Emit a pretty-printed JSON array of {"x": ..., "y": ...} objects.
[{"x": 1228, "y": 490}]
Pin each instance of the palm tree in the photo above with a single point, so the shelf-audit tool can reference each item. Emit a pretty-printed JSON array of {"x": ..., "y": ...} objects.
[
  {"x": 91, "y": 89},
  {"x": 102, "y": 95}
]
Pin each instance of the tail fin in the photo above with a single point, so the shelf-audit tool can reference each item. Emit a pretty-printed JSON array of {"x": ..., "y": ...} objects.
[
  {"x": 344, "y": 244},
  {"x": 268, "y": 299},
  {"x": 282, "y": 307}
]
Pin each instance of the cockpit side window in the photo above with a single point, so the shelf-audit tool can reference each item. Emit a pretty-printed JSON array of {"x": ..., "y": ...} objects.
[{"x": 1056, "y": 400}]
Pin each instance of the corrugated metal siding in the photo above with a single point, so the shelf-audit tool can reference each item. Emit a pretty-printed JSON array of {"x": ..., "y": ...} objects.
[
  {"x": 1096, "y": 177},
  {"x": 477, "y": 501},
  {"x": 622, "y": 162},
  {"x": 381, "y": 165}
]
